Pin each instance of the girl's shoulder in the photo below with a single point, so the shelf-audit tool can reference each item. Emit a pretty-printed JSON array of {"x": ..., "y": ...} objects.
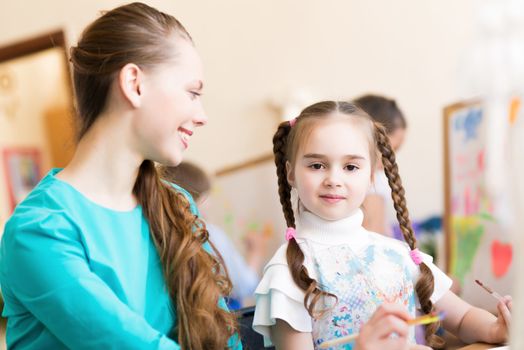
[
  {"x": 279, "y": 258},
  {"x": 278, "y": 277},
  {"x": 386, "y": 241}
]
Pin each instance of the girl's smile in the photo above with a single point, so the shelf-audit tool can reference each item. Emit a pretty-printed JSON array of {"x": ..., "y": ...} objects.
[{"x": 332, "y": 198}]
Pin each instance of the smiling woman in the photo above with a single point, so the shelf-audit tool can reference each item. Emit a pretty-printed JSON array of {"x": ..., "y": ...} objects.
[{"x": 103, "y": 254}]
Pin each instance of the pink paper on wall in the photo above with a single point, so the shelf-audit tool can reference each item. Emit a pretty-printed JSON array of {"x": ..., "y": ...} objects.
[{"x": 501, "y": 257}]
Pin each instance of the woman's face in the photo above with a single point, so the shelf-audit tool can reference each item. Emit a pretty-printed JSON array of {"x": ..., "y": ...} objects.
[{"x": 171, "y": 106}]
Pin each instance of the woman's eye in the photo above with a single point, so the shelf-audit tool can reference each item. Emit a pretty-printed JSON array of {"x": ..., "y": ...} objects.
[
  {"x": 194, "y": 94},
  {"x": 351, "y": 167}
]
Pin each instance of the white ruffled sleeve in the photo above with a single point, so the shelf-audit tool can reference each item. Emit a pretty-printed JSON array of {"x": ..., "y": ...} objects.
[
  {"x": 442, "y": 281},
  {"x": 277, "y": 296}
]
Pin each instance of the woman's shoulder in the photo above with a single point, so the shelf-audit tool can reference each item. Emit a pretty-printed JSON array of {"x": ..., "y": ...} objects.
[
  {"x": 43, "y": 218},
  {"x": 39, "y": 222},
  {"x": 46, "y": 208},
  {"x": 45, "y": 199},
  {"x": 192, "y": 205}
]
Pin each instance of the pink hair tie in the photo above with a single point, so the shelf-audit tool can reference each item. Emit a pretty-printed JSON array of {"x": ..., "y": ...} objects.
[
  {"x": 416, "y": 256},
  {"x": 292, "y": 122},
  {"x": 290, "y": 233}
]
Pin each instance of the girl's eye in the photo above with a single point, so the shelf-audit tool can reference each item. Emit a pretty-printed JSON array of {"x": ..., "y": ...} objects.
[
  {"x": 316, "y": 166},
  {"x": 351, "y": 167}
]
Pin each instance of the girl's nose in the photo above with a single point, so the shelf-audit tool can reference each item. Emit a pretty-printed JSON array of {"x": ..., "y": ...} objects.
[{"x": 332, "y": 179}]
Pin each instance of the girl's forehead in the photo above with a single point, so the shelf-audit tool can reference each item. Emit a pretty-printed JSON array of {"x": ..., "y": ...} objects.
[{"x": 336, "y": 137}]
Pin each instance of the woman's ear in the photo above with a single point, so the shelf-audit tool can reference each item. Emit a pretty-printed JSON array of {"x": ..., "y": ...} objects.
[
  {"x": 129, "y": 82},
  {"x": 290, "y": 174}
]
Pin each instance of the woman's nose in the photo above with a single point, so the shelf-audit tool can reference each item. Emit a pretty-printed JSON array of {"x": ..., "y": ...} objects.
[{"x": 200, "y": 118}]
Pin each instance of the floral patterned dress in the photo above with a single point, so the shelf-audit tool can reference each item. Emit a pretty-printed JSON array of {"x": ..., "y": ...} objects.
[
  {"x": 362, "y": 268},
  {"x": 361, "y": 281}
]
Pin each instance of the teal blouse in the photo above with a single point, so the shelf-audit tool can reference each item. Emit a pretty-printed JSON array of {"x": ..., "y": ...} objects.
[{"x": 77, "y": 275}]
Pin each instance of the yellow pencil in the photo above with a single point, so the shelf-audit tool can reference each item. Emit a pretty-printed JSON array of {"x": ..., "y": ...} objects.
[{"x": 424, "y": 319}]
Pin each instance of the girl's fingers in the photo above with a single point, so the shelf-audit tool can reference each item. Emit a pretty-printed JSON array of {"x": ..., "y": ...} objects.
[
  {"x": 505, "y": 311},
  {"x": 391, "y": 309},
  {"x": 396, "y": 343},
  {"x": 391, "y": 324},
  {"x": 418, "y": 347},
  {"x": 508, "y": 300}
]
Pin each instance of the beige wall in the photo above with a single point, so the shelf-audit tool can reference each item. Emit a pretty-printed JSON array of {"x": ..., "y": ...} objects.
[
  {"x": 254, "y": 50},
  {"x": 38, "y": 84}
]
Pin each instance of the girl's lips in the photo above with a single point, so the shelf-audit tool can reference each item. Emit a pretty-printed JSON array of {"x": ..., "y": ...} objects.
[{"x": 332, "y": 198}]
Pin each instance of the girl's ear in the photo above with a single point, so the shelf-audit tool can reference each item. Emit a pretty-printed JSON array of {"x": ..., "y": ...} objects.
[
  {"x": 129, "y": 80},
  {"x": 371, "y": 178},
  {"x": 290, "y": 174}
]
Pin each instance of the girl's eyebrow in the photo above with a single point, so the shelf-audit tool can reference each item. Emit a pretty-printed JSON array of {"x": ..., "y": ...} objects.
[{"x": 322, "y": 156}]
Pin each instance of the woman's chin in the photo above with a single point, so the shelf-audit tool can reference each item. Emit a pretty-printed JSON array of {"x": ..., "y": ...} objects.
[{"x": 170, "y": 160}]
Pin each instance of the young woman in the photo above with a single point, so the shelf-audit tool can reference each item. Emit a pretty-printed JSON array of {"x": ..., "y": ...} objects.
[{"x": 103, "y": 254}]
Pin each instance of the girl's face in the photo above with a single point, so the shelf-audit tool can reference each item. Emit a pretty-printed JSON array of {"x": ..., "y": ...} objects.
[
  {"x": 332, "y": 170},
  {"x": 171, "y": 107}
]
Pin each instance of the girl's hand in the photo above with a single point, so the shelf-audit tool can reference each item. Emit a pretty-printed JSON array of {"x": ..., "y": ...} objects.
[
  {"x": 376, "y": 333},
  {"x": 500, "y": 329},
  {"x": 418, "y": 347}
]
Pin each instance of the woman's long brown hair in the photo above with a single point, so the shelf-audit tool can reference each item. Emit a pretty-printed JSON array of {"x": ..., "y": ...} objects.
[
  {"x": 137, "y": 33},
  {"x": 286, "y": 143}
]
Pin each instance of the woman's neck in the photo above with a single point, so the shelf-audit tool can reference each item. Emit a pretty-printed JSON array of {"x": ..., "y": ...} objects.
[{"x": 104, "y": 167}]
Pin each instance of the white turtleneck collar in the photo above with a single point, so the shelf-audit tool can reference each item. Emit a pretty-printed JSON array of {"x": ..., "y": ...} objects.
[{"x": 344, "y": 231}]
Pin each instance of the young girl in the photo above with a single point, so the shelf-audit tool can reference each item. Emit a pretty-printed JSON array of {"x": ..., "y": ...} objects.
[
  {"x": 332, "y": 274},
  {"x": 103, "y": 254}
]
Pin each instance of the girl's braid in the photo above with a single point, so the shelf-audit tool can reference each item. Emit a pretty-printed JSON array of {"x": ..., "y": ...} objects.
[
  {"x": 284, "y": 189},
  {"x": 426, "y": 284},
  {"x": 294, "y": 255}
]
